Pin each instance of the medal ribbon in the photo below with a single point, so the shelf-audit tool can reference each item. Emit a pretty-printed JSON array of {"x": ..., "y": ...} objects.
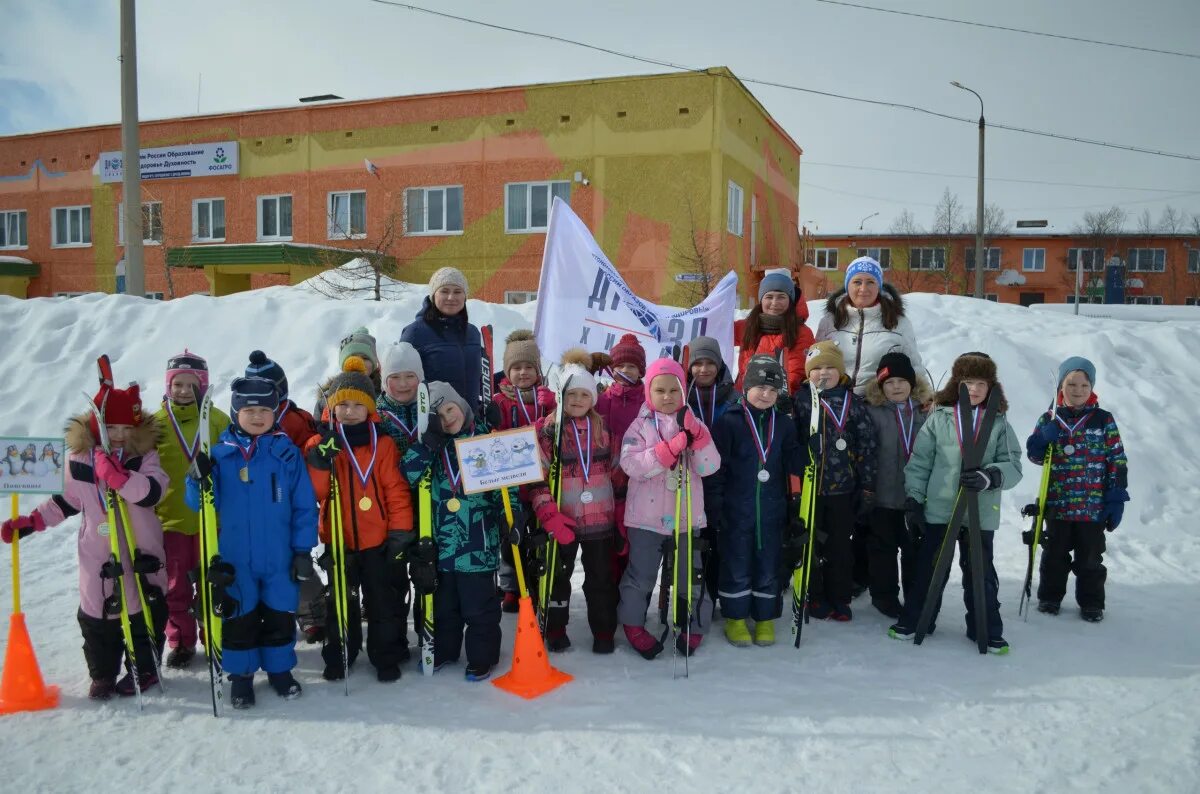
[
  {"x": 977, "y": 421},
  {"x": 189, "y": 450},
  {"x": 585, "y": 458},
  {"x": 521, "y": 404},
  {"x": 411, "y": 432},
  {"x": 247, "y": 452},
  {"x": 362, "y": 478},
  {"x": 906, "y": 433},
  {"x": 712, "y": 412},
  {"x": 839, "y": 422},
  {"x": 1072, "y": 428},
  {"x": 762, "y": 449},
  {"x": 282, "y": 412},
  {"x": 450, "y": 475}
]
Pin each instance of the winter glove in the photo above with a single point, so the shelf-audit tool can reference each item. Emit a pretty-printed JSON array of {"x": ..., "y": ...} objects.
[
  {"x": 679, "y": 442},
  {"x": 814, "y": 446},
  {"x": 977, "y": 479},
  {"x": 1114, "y": 508},
  {"x": 491, "y": 414},
  {"x": 302, "y": 566},
  {"x": 22, "y": 526},
  {"x": 519, "y": 520},
  {"x": 422, "y": 569},
  {"x": 434, "y": 437},
  {"x": 395, "y": 548},
  {"x": 321, "y": 456},
  {"x": 692, "y": 426},
  {"x": 201, "y": 466},
  {"x": 1049, "y": 433},
  {"x": 914, "y": 519},
  {"x": 111, "y": 470},
  {"x": 665, "y": 454},
  {"x": 560, "y": 527},
  {"x": 866, "y": 503}
]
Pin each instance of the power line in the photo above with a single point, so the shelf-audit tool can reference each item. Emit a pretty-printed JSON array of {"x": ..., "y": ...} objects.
[
  {"x": 788, "y": 87},
  {"x": 1012, "y": 30},
  {"x": 989, "y": 178}
]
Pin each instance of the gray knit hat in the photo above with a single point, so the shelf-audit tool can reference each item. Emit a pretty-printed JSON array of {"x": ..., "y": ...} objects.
[
  {"x": 441, "y": 392},
  {"x": 401, "y": 357},
  {"x": 777, "y": 282},
  {"x": 359, "y": 343},
  {"x": 705, "y": 347},
  {"x": 447, "y": 276},
  {"x": 764, "y": 370}
]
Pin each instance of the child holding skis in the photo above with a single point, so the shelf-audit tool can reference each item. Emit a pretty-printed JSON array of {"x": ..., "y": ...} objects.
[
  {"x": 1089, "y": 485},
  {"x": 665, "y": 449},
  {"x": 581, "y": 520},
  {"x": 845, "y": 449},
  {"x": 268, "y": 519},
  {"x": 130, "y": 468},
  {"x": 749, "y": 502},
  {"x": 376, "y": 519},
  {"x": 177, "y": 448},
  {"x": 935, "y": 479},
  {"x": 894, "y": 400}
]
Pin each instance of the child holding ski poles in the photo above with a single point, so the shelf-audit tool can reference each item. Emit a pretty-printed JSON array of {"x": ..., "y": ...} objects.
[
  {"x": 268, "y": 519},
  {"x": 374, "y": 511},
  {"x": 664, "y": 452},
  {"x": 1089, "y": 482},
  {"x": 894, "y": 401},
  {"x": 844, "y": 448},
  {"x": 618, "y": 406},
  {"x": 747, "y": 502},
  {"x": 935, "y": 479},
  {"x": 580, "y": 520},
  {"x": 177, "y": 447},
  {"x": 120, "y": 561}
]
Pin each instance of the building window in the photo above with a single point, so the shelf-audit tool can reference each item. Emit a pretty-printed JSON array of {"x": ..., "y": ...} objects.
[
  {"x": 993, "y": 258},
  {"x": 14, "y": 231},
  {"x": 881, "y": 255},
  {"x": 348, "y": 215},
  {"x": 274, "y": 217},
  {"x": 927, "y": 259},
  {"x": 825, "y": 258},
  {"x": 1085, "y": 299},
  {"x": 733, "y": 209},
  {"x": 1147, "y": 260},
  {"x": 152, "y": 228},
  {"x": 1033, "y": 259},
  {"x": 1191, "y": 301},
  {"x": 991, "y": 296},
  {"x": 70, "y": 226},
  {"x": 1144, "y": 300},
  {"x": 519, "y": 296},
  {"x": 1194, "y": 260},
  {"x": 70, "y": 294},
  {"x": 155, "y": 296},
  {"x": 1093, "y": 259},
  {"x": 434, "y": 210},
  {"x": 527, "y": 204},
  {"x": 208, "y": 220}
]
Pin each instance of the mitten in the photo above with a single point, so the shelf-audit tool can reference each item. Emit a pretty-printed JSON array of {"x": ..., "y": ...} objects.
[
  {"x": 321, "y": 456},
  {"x": 395, "y": 548},
  {"x": 302, "y": 566},
  {"x": 22, "y": 526},
  {"x": 560, "y": 527},
  {"x": 914, "y": 519},
  {"x": 111, "y": 470}
]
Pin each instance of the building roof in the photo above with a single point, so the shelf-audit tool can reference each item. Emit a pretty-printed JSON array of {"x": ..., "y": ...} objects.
[{"x": 1022, "y": 235}]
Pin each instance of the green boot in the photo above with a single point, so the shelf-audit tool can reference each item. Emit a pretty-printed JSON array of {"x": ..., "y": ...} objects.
[
  {"x": 737, "y": 633},
  {"x": 764, "y": 633}
]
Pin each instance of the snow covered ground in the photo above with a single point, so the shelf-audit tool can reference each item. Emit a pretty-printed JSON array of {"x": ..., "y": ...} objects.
[{"x": 1076, "y": 706}]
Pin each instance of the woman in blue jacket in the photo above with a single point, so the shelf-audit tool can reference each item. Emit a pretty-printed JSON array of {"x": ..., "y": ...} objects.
[{"x": 450, "y": 347}]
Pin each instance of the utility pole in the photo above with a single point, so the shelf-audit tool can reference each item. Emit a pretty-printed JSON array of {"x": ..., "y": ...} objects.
[
  {"x": 131, "y": 173},
  {"x": 980, "y": 264}
]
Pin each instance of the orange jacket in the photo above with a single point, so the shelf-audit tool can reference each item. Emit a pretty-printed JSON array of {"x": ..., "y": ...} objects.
[
  {"x": 391, "y": 499},
  {"x": 772, "y": 344}
]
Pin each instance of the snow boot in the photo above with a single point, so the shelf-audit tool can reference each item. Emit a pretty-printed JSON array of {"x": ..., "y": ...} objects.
[
  {"x": 333, "y": 672},
  {"x": 603, "y": 644},
  {"x": 1048, "y": 607},
  {"x": 511, "y": 603},
  {"x": 102, "y": 689},
  {"x": 314, "y": 634},
  {"x": 557, "y": 640},
  {"x": 899, "y": 631},
  {"x": 737, "y": 633},
  {"x": 436, "y": 665},
  {"x": 179, "y": 658},
  {"x": 819, "y": 610},
  {"x": 145, "y": 680},
  {"x": 643, "y": 641},
  {"x": 888, "y": 607},
  {"x": 1091, "y": 614},
  {"x": 480, "y": 673},
  {"x": 841, "y": 613},
  {"x": 998, "y": 646},
  {"x": 386, "y": 675},
  {"x": 688, "y": 644},
  {"x": 764, "y": 633},
  {"x": 241, "y": 691},
  {"x": 285, "y": 685}
]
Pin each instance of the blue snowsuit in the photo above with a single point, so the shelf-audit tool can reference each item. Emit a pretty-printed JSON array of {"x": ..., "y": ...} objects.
[{"x": 263, "y": 522}]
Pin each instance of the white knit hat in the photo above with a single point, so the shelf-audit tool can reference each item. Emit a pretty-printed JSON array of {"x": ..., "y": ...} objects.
[
  {"x": 401, "y": 357},
  {"x": 445, "y": 277},
  {"x": 574, "y": 373}
]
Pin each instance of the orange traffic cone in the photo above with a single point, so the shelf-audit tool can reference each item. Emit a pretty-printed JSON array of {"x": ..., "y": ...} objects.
[
  {"x": 22, "y": 688},
  {"x": 531, "y": 675}
]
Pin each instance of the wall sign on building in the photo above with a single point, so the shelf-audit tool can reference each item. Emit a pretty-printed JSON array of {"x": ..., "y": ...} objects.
[{"x": 175, "y": 162}]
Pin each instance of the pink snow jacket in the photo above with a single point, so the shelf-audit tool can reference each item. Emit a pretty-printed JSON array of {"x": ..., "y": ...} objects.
[
  {"x": 538, "y": 403},
  {"x": 144, "y": 489},
  {"x": 595, "y": 519},
  {"x": 649, "y": 503}
]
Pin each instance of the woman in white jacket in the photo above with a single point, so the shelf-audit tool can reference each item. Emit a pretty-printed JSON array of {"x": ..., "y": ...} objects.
[{"x": 866, "y": 319}]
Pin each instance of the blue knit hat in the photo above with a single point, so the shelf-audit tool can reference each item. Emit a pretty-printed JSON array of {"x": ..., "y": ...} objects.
[
  {"x": 1073, "y": 364},
  {"x": 867, "y": 265},
  {"x": 777, "y": 282},
  {"x": 258, "y": 392},
  {"x": 262, "y": 367}
]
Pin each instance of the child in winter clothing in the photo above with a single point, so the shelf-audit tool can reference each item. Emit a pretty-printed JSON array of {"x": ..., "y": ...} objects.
[
  {"x": 521, "y": 401},
  {"x": 844, "y": 447},
  {"x": 131, "y": 469},
  {"x": 933, "y": 481},
  {"x": 894, "y": 401},
  {"x": 582, "y": 519},
  {"x": 268, "y": 520},
  {"x": 747, "y": 501},
  {"x": 663, "y": 442},
  {"x": 618, "y": 406},
  {"x": 1089, "y": 485},
  {"x": 467, "y": 530},
  {"x": 295, "y": 422},
  {"x": 377, "y": 521},
  {"x": 181, "y": 539}
]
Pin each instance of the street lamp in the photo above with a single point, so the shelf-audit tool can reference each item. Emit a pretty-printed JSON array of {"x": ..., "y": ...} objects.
[
  {"x": 864, "y": 220},
  {"x": 979, "y": 263}
]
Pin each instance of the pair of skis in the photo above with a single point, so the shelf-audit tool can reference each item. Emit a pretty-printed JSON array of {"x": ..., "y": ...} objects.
[
  {"x": 1037, "y": 511},
  {"x": 549, "y": 566},
  {"x": 802, "y": 574}
]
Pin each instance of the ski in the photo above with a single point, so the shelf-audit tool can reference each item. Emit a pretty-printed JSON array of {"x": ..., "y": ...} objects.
[
  {"x": 209, "y": 559},
  {"x": 1037, "y": 511},
  {"x": 426, "y": 554},
  {"x": 422, "y": 409},
  {"x": 801, "y": 576},
  {"x": 550, "y": 548},
  {"x": 485, "y": 375}
]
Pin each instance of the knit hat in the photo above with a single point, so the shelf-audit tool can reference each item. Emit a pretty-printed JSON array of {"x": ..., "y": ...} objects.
[
  {"x": 186, "y": 363},
  {"x": 628, "y": 350},
  {"x": 896, "y": 365},
  {"x": 662, "y": 366},
  {"x": 864, "y": 265},
  {"x": 446, "y": 277},
  {"x": 359, "y": 343},
  {"x": 441, "y": 392},
  {"x": 352, "y": 384},
  {"x": 777, "y": 282},
  {"x": 253, "y": 391},
  {"x": 705, "y": 347},
  {"x": 520, "y": 346},
  {"x": 575, "y": 371},
  {"x": 401, "y": 357},
  {"x": 118, "y": 406},
  {"x": 263, "y": 367},
  {"x": 1076, "y": 363},
  {"x": 973, "y": 366},
  {"x": 824, "y": 354},
  {"x": 764, "y": 370}
]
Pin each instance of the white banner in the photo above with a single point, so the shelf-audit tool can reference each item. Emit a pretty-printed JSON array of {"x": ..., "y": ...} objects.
[
  {"x": 175, "y": 162},
  {"x": 584, "y": 302}
]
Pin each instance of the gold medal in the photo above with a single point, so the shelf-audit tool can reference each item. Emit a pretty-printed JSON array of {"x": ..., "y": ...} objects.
[
  {"x": 364, "y": 504},
  {"x": 244, "y": 474},
  {"x": 453, "y": 505}
]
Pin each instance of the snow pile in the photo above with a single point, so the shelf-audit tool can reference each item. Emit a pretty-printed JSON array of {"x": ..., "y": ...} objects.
[
  {"x": 1099, "y": 707},
  {"x": 355, "y": 280}
]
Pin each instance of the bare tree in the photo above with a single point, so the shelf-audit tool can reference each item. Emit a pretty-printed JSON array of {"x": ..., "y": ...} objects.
[
  {"x": 903, "y": 276},
  {"x": 699, "y": 260},
  {"x": 1101, "y": 231},
  {"x": 947, "y": 223},
  {"x": 1145, "y": 224},
  {"x": 364, "y": 267},
  {"x": 1172, "y": 221},
  {"x": 995, "y": 224}
]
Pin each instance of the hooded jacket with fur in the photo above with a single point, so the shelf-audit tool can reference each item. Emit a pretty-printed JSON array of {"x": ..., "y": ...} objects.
[{"x": 891, "y": 456}]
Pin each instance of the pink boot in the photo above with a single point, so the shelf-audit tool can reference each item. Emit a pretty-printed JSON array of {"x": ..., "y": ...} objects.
[
  {"x": 643, "y": 641},
  {"x": 693, "y": 642}
]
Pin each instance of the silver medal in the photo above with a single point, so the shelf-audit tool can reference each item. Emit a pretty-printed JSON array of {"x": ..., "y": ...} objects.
[
  {"x": 102, "y": 530},
  {"x": 763, "y": 475},
  {"x": 840, "y": 444},
  {"x": 586, "y": 497},
  {"x": 1069, "y": 449},
  {"x": 673, "y": 480}
]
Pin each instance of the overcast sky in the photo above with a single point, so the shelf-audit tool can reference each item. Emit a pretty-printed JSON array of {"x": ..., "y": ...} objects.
[{"x": 59, "y": 68}]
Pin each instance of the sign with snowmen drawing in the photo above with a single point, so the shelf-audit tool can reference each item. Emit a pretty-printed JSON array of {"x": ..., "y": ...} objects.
[
  {"x": 499, "y": 460},
  {"x": 31, "y": 465}
]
